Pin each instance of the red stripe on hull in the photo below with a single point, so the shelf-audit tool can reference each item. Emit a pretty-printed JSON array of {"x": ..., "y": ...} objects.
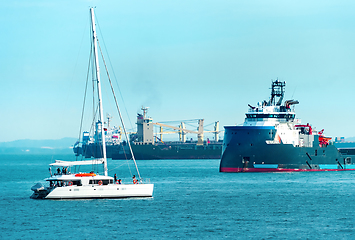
[{"x": 279, "y": 170}]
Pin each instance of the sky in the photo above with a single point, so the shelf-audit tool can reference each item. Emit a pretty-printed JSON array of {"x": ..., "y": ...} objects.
[{"x": 184, "y": 59}]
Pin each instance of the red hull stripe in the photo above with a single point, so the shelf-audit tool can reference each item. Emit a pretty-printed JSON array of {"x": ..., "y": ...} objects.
[{"x": 224, "y": 169}]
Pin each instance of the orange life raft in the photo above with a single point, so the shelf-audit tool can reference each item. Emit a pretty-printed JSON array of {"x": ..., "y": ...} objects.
[{"x": 85, "y": 174}]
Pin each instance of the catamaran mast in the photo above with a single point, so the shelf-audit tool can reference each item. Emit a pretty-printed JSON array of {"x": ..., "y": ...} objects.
[{"x": 99, "y": 90}]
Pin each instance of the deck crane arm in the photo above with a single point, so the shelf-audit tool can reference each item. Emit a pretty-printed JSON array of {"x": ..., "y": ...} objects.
[{"x": 176, "y": 128}]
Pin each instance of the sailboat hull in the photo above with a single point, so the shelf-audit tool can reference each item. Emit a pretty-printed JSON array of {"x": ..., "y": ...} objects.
[{"x": 103, "y": 191}]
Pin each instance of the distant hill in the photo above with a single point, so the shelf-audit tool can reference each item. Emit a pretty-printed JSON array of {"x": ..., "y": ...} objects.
[
  {"x": 49, "y": 143},
  {"x": 37, "y": 146},
  {"x": 350, "y": 139}
]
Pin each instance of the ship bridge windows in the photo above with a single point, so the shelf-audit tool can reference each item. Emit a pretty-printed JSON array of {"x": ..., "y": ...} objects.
[{"x": 278, "y": 116}]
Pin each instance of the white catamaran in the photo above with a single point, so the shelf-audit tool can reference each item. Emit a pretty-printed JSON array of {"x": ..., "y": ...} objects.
[{"x": 65, "y": 185}]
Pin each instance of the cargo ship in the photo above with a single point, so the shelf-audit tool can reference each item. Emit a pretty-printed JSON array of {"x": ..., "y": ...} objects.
[
  {"x": 147, "y": 145},
  {"x": 272, "y": 139}
]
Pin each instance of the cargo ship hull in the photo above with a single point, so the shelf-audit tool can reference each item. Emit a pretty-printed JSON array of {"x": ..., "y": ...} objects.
[
  {"x": 245, "y": 149},
  {"x": 155, "y": 151}
]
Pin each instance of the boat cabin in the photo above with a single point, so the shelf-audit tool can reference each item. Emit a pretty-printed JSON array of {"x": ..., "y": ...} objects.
[{"x": 73, "y": 180}]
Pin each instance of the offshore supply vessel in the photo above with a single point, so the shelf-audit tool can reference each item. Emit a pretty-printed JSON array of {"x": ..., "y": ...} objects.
[
  {"x": 273, "y": 140},
  {"x": 147, "y": 145}
]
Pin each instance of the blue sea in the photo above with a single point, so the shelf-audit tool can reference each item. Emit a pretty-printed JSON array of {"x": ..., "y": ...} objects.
[{"x": 191, "y": 200}]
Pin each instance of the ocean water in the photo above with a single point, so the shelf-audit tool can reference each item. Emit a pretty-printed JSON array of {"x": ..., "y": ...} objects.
[{"x": 191, "y": 200}]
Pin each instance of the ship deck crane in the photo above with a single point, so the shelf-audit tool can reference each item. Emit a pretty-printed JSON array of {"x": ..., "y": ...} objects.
[{"x": 183, "y": 131}]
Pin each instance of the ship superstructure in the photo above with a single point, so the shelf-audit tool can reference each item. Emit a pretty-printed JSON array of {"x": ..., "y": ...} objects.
[{"x": 272, "y": 139}]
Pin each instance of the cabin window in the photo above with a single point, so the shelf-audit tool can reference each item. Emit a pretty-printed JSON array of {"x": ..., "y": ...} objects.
[
  {"x": 73, "y": 183},
  {"x": 348, "y": 160},
  {"x": 104, "y": 182}
]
